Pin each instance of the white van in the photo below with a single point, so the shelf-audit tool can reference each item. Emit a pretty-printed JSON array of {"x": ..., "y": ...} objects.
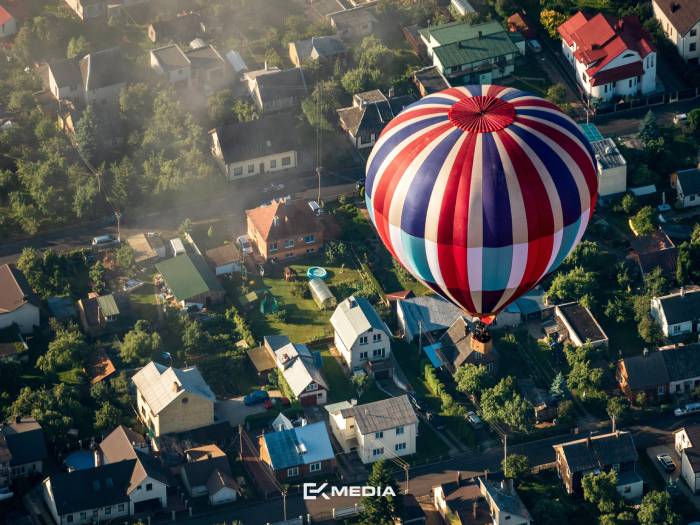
[{"x": 690, "y": 408}]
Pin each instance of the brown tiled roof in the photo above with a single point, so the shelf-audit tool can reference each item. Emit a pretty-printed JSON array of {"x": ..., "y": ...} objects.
[
  {"x": 295, "y": 218},
  {"x": 222, "y": 255},
  {"x": 683, "y": 14},
  {"x": 15, "y": 291},
  {"x": 652, "y": 242},
  {"x": 100, "y": 367}
]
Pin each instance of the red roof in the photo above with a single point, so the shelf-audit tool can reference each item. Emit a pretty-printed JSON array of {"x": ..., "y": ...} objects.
[
  {"x": 601, "y": 39},
  {"x": 5, "y": 16}
]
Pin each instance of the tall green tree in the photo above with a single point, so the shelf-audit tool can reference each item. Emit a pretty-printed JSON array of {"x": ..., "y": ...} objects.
[
  {"x": 656, "y": 509},
  {"x": 502, "y": 404},
  {"x": 139, "y": 346},
  {"x": 472, "y": 379},
  {"x": 601, "y": 490},
  {"x": 649, "y": 128},
  {"x": 515, "y": 466},
  {"x": 77, "y": 47},
  {"x": 107, "y": 417},
  {"x": 97, "y": 277},
  {"x": 66, "y": 350},
  {"x": 87, "y": 134},
  {"x": 381, "y": 510}
]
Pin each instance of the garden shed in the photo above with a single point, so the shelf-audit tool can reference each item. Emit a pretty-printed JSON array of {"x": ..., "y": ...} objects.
[{"x": 322, "y": 294}]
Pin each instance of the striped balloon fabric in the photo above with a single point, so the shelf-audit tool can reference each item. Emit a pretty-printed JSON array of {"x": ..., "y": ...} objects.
[{"x": 480, "y": 191}]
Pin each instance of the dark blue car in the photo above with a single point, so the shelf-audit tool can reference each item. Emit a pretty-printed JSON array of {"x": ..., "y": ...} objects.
[{"x": 255, "y": 397}]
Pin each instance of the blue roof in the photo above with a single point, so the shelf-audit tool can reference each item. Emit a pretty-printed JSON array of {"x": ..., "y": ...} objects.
[
  {"x": 431, "y": 352},
  {"x": 591, "y": 132},
  {"x": 299, "y": 446},
  {"x": 531, "y": 302}
]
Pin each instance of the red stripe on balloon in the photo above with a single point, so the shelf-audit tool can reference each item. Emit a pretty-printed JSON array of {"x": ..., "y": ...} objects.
[{"x": 412, "y": 114}]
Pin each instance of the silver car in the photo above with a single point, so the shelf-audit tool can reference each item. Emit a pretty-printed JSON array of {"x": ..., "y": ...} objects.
[{"x": 244, "y": 242}]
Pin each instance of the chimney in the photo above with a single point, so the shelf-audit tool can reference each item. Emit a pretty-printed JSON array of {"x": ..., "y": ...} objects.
[
  {"x": 682, "y": 292},
  {"x": 588, "y": 441},
  {"x": 509, "y": 486},
  {"x": 486, "y": 474},
  {"x": 209, "y": 456},
  {"x": 18, "y": 419},
  {"x": 675, "y": 6},
  {"x": 176, "y": 386},
  {"x": 266, "y": 67},
  {"x": 391, "y": 92}
]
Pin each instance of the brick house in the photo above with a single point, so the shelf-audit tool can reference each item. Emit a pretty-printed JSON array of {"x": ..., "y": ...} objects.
[{"x": 285, "y": 229}]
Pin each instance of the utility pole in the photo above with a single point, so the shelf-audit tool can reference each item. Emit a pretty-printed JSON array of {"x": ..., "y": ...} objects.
[
  {"x": 505, "y": 446},
  {"x": 284, "y": 502},
  {"x": 420, "y": 338},
  {"x": 240, "y": 439},
  {"x": 406, "y": 469},
  {"x": 118, "y": 215}
]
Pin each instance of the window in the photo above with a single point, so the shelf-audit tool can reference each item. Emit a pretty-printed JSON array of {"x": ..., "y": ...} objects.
[
  {"x": 273, "y": 164},
  {"x": 69, "y": 518},
  {"x": 274, "y": 247},
  {"x": 363, "y": 355},
  {"x": 309, "y": 239},
  {"x": 289, "y": 243},
  {"x": 286, "y": 161},
  {"x": 83, "y": 515},
  {"x": 627, "y": 489},
  {"x": 238, "y": 171},
  {"x": 661, "y": 390},
  {"x": 692, "y": 47},
  {"x": 606, "y": 88},
  {"x": 691, "y": 198},
  {"x": 108, "y": 511},
  {"x": 251, "y": 168},
  {"x": 400, "y": 446},
  {"x": 378, "y": 451},
  {"x": 376, "y": 337},
  {"x": 378, "y": 352},
  {"x": 363, "y": 339},
  {"x": 149, "y": 486},
  {"x": 677, "y": 387},
  {"x": 94, "y": 512},
  {"x": 693, "y": 32},
  {"x": 630, "y": 82},
  {"x": 311, "y": 387},
  {"x": 120, "y": 508},
  {"x": 399, "y": 430},
  {"x": 315, "y": 467},
  {"x": 291, "y": 472},
  {"x": 378, "y": 435}
]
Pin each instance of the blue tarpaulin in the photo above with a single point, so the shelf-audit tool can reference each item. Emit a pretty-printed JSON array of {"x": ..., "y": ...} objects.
[{"x": 431, "y": 352}]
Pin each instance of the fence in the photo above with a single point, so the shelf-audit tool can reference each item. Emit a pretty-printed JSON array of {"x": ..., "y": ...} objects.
[{"x": 646, "y": 102}]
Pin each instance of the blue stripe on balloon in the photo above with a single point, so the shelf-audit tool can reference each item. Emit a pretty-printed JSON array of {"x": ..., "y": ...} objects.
[
  {"x": 568, "y": 237},
  {"x": 495, "y": 264},
  {"x": 417, "y": 200},
  {"x": 474, "y": 90},
  {"x": 561, "y": 176},
  {"x": 498, "y": 224},
  {"x": 413, "y": 253},
  {"x": 514, "y": 94},
  {"x": 565, "y": 123},
  {"x": 386, "y": 147}
]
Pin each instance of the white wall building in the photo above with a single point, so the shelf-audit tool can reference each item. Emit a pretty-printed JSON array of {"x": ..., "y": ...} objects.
[
  {"x": 677, "y": 313},
  {"x": 680, "y": 20},
  {"x": 687, "y": 444},
  {"x": 611, "y": 167},
  {"x": 18, "y": 305}
]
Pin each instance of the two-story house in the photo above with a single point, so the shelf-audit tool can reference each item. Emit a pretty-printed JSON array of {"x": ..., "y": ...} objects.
[
  {"x": 298, "y": 453},
  {"x": 22, "y": 449},
  {"x": 265, "y": 146},
  {"x": 273, "y": 89},
  {"x": 285, "y": 229},
  {"x": 18, "y": 303},
  {"x": 611, "y": 58},
  {"x": 687, "y": 186},
  {"x": 677, "y": 313},
  {"x": 171, "y": 400},
  {"x": 359, "y": 333},
  {"x": 380, "y": 430},
  {"x": 687, "y": 445},
  {"x": 461, "y": 345},
  {"x": 680, "y": 20}
]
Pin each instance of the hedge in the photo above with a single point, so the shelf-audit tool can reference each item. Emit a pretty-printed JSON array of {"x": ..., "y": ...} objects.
[{"x": 455, "y": 415}]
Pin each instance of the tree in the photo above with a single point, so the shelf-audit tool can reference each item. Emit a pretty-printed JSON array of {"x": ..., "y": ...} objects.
[
  {"x": 551, "y": 20},
  {"x": 643, "y": 221},
  {"x": 125, "y": 258},
  {"x": 97, "y": 277},
  {"x": 335, "y": 252},
  {"x": 557, "y": 93},
  {"x": 688, "y": 263},
  {"x": 136, "y": 104},
  {"x": 515, "y": 466},
  {"x": 549, "y": 512},
  {"x": 649, "y": 330},
  {"x": 649, "y": 128},
  {"x": 471, "y": 379},
  {"x": 381, "y": 510},
  {"x": 503, "y": 405},
  {"x": 617, "y": 309},
  {"x": 220, "y": 107},
  {"x": 139, "y": 346},
  {"x": 558, "y": 388},
  {"x": 628, "y": 203},
  {"x": 77, "y": 47},
  {"x": 655, "y": 282},
  {"x": 616, "y": 408},
  {"x": 194, "y": 339},
  {"x": 244, "y": 111},
  {"x": 87, "y": 134},
  {"x": 361, "y": 382},
  {"x": 601, "y": 490},
  {"x": 586, "y": 255},
  {"x": 656, "y": 509},
  {"x": 694, "y": 120},
  {"x": 319, "y": 108},
  {"x": 573, "y": 285},
  {"x": 107, "y": 417},
  {"x": 358, "y": 80},
  {"x": 65, "y": 351}
]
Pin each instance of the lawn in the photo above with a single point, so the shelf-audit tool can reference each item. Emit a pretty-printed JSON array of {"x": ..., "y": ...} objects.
[
  {"x": 143, "y": 301},
  {"x": 547, "y": 487},
  {"x": 228, "y": 376}
]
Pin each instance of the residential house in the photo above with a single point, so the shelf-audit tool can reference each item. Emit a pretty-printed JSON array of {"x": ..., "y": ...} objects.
[
  {"x": 687, "y": 186},
  {"x": 481, "y": 502},
  {"x": 225, "y": 259},
  {"x": 285, "y": 229},
  {"x": 299, "y": 369},
  {"x": 325, "y": 49},
  {"x": 543, "y": 405},
  {"x": 209, "y": 71},
  {"x": 18, "y": 303},
  {"x": 600, "y": 453},
  {"x": 429, "y": 315},
  {"x": 670, "y": 370},
  {"x": 429, "y": 80},
  {"x": 680, "y": 20},
  {"x": 379, "y": 430},
  {"x": 98, "y": 311},
  {"x": 655, "y": 250},
  {"x": 611, "y": 57},
  {"x": 359, "y": 333},
  {"x": 190, "y": 280},
  {"x": 149, "y": 482},
  {"x": 611, "y": 167},
  {"x": 173, "y": 63},
  {"x": 461, "y": 345},
  {"x": 687, "y": 445},
  {"x": 580, "y": 326},
  {"x": 208, "y": 473},
  {"x": 183, "y": 28},
  {"x": 173, "y": 400},
  {"x": 236, "y": 62},
  {"x": 266, "y": 146},
  {"x": 96, "y": 78},
  {"x": 273, "y": 89},
  {"x": 353, "y": 24},
  {"x": 462, "y": 7},
  {"x": 369, "y": 113},
  {"x": 298, "y": 453},
  {"x": 145, "y": 248},
  {"x": 8, "y": 23},
  {"x": 88, "y": 9},
  {"x": 263, "y": 361},
  {"x": 677, "y": 313},
  {"x": 22, "y": 449},
  {"x": 472, "y": 54}
]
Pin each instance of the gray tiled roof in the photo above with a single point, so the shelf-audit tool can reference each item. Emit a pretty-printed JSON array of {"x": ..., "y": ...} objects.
[
  {"x": 382, "y": 415},
  {"x": 599, "y": 451},
  {"x": 681, "y": 308},
  {"x": 355, "y": 316}
]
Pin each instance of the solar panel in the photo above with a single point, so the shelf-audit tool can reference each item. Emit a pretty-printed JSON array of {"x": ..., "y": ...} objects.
[{"x": 591, "y": 132}]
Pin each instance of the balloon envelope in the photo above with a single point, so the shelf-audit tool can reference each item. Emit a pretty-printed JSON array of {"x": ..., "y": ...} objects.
[{"x": 480, "y": 191}]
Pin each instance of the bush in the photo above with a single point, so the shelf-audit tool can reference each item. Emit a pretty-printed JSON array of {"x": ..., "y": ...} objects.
[
  {"x": 454, "y": 414},
  {"x": 242, "y": 327}
]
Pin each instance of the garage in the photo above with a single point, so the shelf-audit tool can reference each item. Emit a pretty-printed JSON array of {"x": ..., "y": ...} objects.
[{"x": 149, "y": 505}]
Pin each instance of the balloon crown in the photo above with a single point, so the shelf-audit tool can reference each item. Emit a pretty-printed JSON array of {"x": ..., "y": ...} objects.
[{"x": 482, "y": 114}]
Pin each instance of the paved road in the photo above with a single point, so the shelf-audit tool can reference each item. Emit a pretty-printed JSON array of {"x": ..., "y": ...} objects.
[
  {"x": 654, "y": 432},
  {"x": 229, "y": 206}
]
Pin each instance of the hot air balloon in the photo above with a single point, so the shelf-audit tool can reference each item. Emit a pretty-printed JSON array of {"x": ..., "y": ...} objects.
[{"x": 481, "y": 191}]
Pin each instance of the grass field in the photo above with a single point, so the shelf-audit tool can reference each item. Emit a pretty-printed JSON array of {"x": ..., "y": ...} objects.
[{"x": 143, "y": 301}]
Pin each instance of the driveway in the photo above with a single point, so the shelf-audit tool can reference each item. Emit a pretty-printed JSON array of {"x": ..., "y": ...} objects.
[
  {"x": 652, "y": 452},
  {"x": 235, "y": 411}
]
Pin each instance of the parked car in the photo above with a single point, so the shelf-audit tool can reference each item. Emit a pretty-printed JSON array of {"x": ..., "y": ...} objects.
[
  {"x": 104, "y": 241},
  {"x": 690, "y": 408},
  {"x": 255, "y": 397},
  {"x": 680, "y": 118},
  {"x": 244, "y": 243},
  {"x": 535, "y": 46},
  {"x": 273, "y": 187},
  {"x": 474, "y": 419},
  {"x": 666, "y": 462}
]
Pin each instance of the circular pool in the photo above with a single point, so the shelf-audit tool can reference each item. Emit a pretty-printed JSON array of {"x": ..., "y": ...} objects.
[
  {"x": 80, "y": 460},
  {"x": 316, "y": 271}
]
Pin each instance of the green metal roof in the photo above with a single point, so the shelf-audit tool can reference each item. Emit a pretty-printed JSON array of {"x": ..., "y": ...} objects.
[
  {"x": 108, "y": 306},
  {"x": 476, "y": 49},
  {"x": 188, "y": 276},
  {"x": 453, "y": 32}
]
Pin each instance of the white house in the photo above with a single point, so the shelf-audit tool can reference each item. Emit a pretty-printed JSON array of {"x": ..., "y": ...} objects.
[
  {"x": 299, "y": 369},
  {"x": 611, "y": 166},
  {"x": 8, "y": 23},
  {"x": 18, "y": 304},
  {"x": 580, "y": 324},
  {"x": 687, "y": 444},
  {"x": 360, "y": 335},
  {"x": 610, "y": 58},
  {"x": 208, "y": 473},
  {"x": 687, "y": 186},
  {"x": 677, "y": 313},
  {"x": 173, "y": 63},
  {"x": 171, "y": 400},
  {"x": 379, "y": 430},
  {"x": 274, "y": 89},
  {"x": 680, "y": 20}
]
